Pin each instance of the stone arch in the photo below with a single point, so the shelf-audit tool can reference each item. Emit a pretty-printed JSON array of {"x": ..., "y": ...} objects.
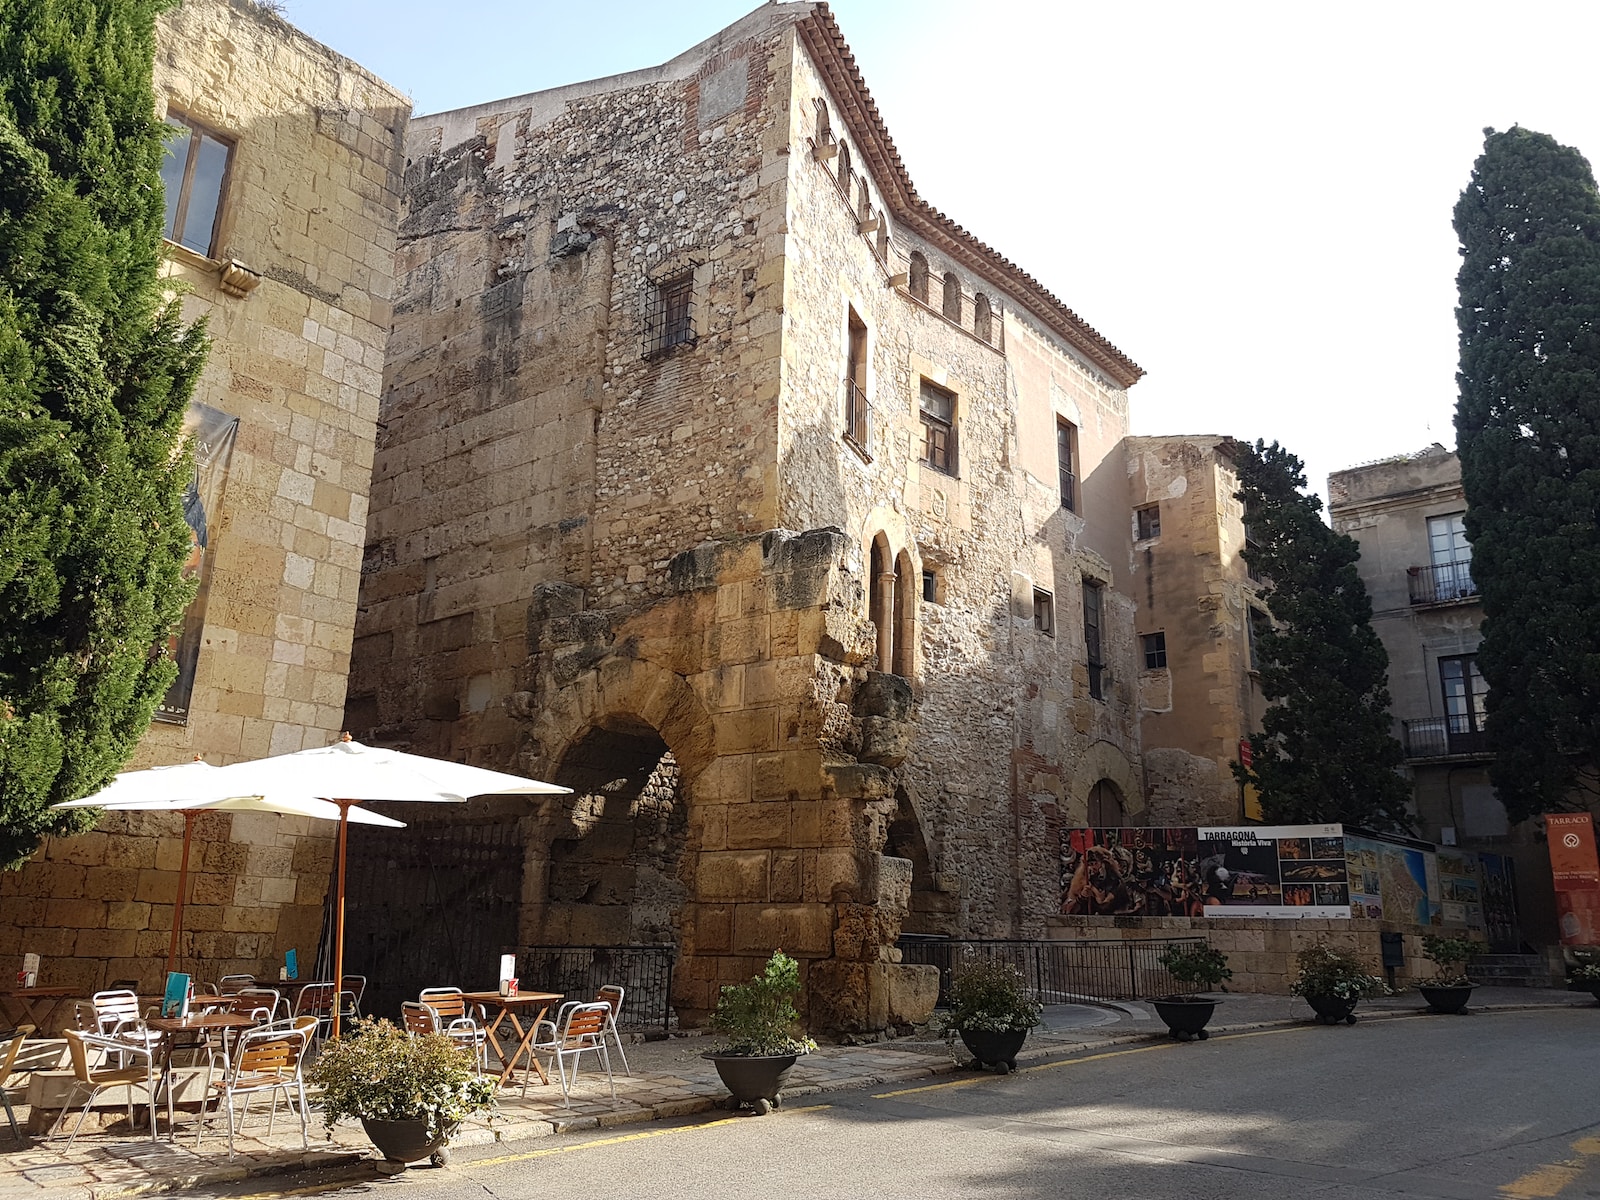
[
  {"x": 894, "y": 573},
  {"x": 917, "y": 275},
  {"x": 982, "y": 317},
  {"x": 931, "y": 910},
  {"x": 952, "y": 297},
  {"x": 1103, "y": 761}
]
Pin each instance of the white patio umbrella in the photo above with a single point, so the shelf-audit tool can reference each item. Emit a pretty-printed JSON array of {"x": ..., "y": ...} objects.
[
  {"x": 194, "y": 787},
  {"x": 348, "y": 773}
]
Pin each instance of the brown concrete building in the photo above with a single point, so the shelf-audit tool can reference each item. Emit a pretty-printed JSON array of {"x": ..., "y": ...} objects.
[
  {"x": 1197, "y": 610},
  {"x": 726, "y": 479},
  {"x": 1407, "y": 515},
  {"x": 282, "y": 203}
]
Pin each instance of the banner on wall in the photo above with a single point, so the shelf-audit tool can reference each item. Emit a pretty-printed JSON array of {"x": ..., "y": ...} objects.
[
  {"x": 1575, "y": 870},
  {"x": 1214, "y": 871},
  {"x": 213, "y": 433}
]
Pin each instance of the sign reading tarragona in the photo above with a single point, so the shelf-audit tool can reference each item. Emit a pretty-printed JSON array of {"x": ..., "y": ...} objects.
[{"x": 1575, "y": 870}]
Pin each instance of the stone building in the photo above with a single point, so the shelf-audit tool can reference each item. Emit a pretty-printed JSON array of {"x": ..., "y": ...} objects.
[
  {"x": 1197, "y": 614},
  {"x": 726, "y": 479},
  {"x": 1407, "y": 515},
  {"x": 282, "y": 194}
]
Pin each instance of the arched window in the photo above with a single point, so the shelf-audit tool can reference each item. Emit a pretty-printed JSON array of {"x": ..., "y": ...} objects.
[
  {"x": 919, "y": 277},
  {"x": 982, "y": 321},
  {"x": 863, "y": 200},
  {"x": 844, "y": 167},
  {"x": 883, "y": 236},
  {"x": 952, "y": 296},
  {"x": 1106, "y": 810},
  {"x": 824, "y": 130}
]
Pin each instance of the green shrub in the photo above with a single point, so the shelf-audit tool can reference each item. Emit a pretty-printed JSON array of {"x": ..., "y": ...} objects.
[
  {"x": 991, "y": 997},
  {"x": 1449, "y": 955},
  {"x": 1326, "y": 970},
  {"x": 1196, "y": 965},
  {"x": 382, "y": 1073},
  {"x": 759, "y": 1017}
]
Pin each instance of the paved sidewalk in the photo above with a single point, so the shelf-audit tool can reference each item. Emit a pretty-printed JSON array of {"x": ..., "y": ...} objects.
[{"x": 669, "y": 1079}]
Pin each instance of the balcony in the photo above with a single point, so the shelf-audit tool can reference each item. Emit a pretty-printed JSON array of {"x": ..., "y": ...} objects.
[
  {"x": 1442, "y": 583},
  {"x": 1457, "y": 736}
]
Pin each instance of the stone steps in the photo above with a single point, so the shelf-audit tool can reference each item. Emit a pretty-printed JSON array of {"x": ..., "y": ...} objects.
[{"x": 1513, "y": 970}]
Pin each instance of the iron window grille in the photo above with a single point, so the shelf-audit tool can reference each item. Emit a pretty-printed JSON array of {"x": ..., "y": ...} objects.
[
  {"x": 1091, "y": 638},
  {"x": 938, "y": 428},
  {"x": 669, "y": 316}
]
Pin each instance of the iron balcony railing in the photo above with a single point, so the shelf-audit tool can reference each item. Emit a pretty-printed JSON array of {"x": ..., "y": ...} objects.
[
  {"x": 578, "y": 972},
  {"x": 857, "y": 417},
  {"x": 1441, "y": 583},
  {"x": 1440, "y": 737},
  {"x": 1057, "y": 972}
]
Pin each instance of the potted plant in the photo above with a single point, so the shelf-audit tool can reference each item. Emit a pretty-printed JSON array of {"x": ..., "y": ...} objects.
[
  {"x": 1201, "y": 969},
  {"x": 1333, "y": 981},
  {"x": 409, "y": 1093},
  {"x": 1584, "y": 975},
  {"x": 759, "y": 1019},
  {"x": 991, "y": 1011},
  {"x": 1448, "y": 989}
]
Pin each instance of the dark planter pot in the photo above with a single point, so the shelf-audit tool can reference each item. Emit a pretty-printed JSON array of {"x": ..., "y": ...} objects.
[
  {"x": 754, "y": 1081},
  {"x": 997, "y": 1048},
  {"x": 1331, "y": 1010},
  {"x": 1186, "y": 1018},
  {"x": 1452, "y": 999},
  {"x": 408, "y": 1141}
]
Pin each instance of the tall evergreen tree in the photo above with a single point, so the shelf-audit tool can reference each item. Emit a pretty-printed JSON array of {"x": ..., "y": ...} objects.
[
  {"x": 1528, "y": 436},
  {"x": 1325, "y": 752},
  {"x": 96, "y": 369}
]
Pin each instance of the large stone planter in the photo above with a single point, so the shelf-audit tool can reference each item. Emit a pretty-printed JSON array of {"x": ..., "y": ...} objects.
[
  {"x": 753, "y": 1081},
  {"x": 997, "y": 1048},
  {"x": 1185, "y": 1016},
  {"x": 1331, "y": 1010},
  {"x": 1451, "y": 998}
]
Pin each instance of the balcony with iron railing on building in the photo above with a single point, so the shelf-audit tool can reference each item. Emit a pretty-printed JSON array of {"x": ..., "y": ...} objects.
[
  {"x": 1457, "y": 736},
  {"x": 1441, "y": 583}
]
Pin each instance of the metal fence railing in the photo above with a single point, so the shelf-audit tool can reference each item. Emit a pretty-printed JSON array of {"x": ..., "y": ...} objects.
[
  {"x": 645, "y": 972},
  {"x": 1441, "y": 582},
  {"x": 1058, "y": 972},
  {"x": 1435, "y": 737}
]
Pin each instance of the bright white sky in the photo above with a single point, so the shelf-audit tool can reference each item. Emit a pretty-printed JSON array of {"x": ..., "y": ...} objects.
[{"x": 1252, "y": 200}]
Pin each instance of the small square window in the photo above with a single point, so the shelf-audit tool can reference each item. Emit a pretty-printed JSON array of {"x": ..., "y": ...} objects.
[
  {"x": 670, "y": 319},
  {"x": 1155, "y": 651},
  {"x": 1044, "y": 612},
  {"x": 1148, "y": 522},
  {"x": 930, "y": 587}
]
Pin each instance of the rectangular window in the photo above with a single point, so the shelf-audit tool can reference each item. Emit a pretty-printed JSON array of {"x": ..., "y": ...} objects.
[
  {"x": 1252, "y": 551},
  {"x": 930, "y": 587},
  {"x": 1092, "y": 609},
  {"x": 857, "y": 415},
  {"x": 1044, "y": 611},
  {"x": 1066, "y": 455},
  {"x": 939, "y": 428},
  {"x": 1147, "y": 522},
  {"x": 1257, "y": 624},
  {"x": 1464, "y": 693},
  {"x": 670, "y": 320},
  {"x": 195, "y": 176},
  {"x": 1155, "y": 651},
  {"x": 1450, "y": 555}
]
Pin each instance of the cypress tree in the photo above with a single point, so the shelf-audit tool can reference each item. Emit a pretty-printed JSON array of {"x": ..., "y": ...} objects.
[
  {"x": 1325, "y": 752},
  {"x": 1528, "y": 436},
  {"x": 96, "y": 368}
]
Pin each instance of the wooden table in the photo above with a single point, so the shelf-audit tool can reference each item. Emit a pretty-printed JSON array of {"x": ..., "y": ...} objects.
[
  {"x": 510, "y": 1007},
  {"x": 37, "y": 1004}
]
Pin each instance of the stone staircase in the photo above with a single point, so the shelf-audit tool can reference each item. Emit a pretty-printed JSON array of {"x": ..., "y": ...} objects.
[{"x": 1514, "y": 970}]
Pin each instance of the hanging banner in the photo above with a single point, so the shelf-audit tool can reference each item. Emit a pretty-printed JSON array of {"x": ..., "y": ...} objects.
[
  {"x": 213, "y": 433},
  {"x": 1575, "y": 870}
]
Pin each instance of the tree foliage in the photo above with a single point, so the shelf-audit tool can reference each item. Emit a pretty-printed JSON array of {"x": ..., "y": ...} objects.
[
  {"x": 1325, "y": 752},
  {"x": 1528, "y": 436},
  {"x": 96, "y": 369}
]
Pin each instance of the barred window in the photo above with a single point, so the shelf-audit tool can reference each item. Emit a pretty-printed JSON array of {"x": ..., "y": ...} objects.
[{"x": 669, "y": 320}]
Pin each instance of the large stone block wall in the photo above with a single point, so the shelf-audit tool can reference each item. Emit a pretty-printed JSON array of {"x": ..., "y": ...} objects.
[{"x": 310, "y": 212}]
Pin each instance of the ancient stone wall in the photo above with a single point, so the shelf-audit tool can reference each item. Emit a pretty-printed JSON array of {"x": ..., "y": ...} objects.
[
  {"x": 1193, "y": 588},
  {"x": 296, "y": 290}
]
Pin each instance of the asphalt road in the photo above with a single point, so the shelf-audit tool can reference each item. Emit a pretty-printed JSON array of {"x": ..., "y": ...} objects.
[{"x": 1483, "y": 1107}]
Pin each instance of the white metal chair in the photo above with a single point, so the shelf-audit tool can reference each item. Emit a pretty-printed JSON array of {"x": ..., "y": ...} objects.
[
  {"x": 579, "y": 1029},
  {"x": 455, "y": 1020},
  {"x": 229, "y": 984},
  {"x": 98, "y": 1079},
  {"x": 267, "y": 1060},
  {"x": 611, "y": 994},
  {"x": 317, "y": 1000},
  {"x": 117, "y": 1016},
  {"x": 355, "y": 987}
]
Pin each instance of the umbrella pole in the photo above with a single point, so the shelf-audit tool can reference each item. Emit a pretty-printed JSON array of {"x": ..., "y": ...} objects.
[
  {"x": 183, "y": 886},
  {"x": 338, "y": 914}
]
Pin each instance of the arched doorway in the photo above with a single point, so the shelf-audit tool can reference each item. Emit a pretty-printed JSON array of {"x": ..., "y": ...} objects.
[
  {"x": 1106, "y": 808},
  {"x": 612, "y": 873}
]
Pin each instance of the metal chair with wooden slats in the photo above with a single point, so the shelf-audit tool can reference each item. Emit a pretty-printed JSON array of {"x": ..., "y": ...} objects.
[
  {"x": 456, "y": 1020},
  {"x": 8, "y": 1061},
  {"x": 612, "y": 994},
  {"x": 97, "y": 1079},
  {"x": 581, "y": 1030},
  {"x": 266, "y": 1060}
]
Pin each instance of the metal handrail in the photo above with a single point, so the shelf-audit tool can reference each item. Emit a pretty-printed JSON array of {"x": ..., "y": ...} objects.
[{"x": 1441, "y": 583}]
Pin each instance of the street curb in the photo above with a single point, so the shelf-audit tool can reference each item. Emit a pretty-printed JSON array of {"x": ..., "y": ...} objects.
[{"x": 556, "y": 1125}]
